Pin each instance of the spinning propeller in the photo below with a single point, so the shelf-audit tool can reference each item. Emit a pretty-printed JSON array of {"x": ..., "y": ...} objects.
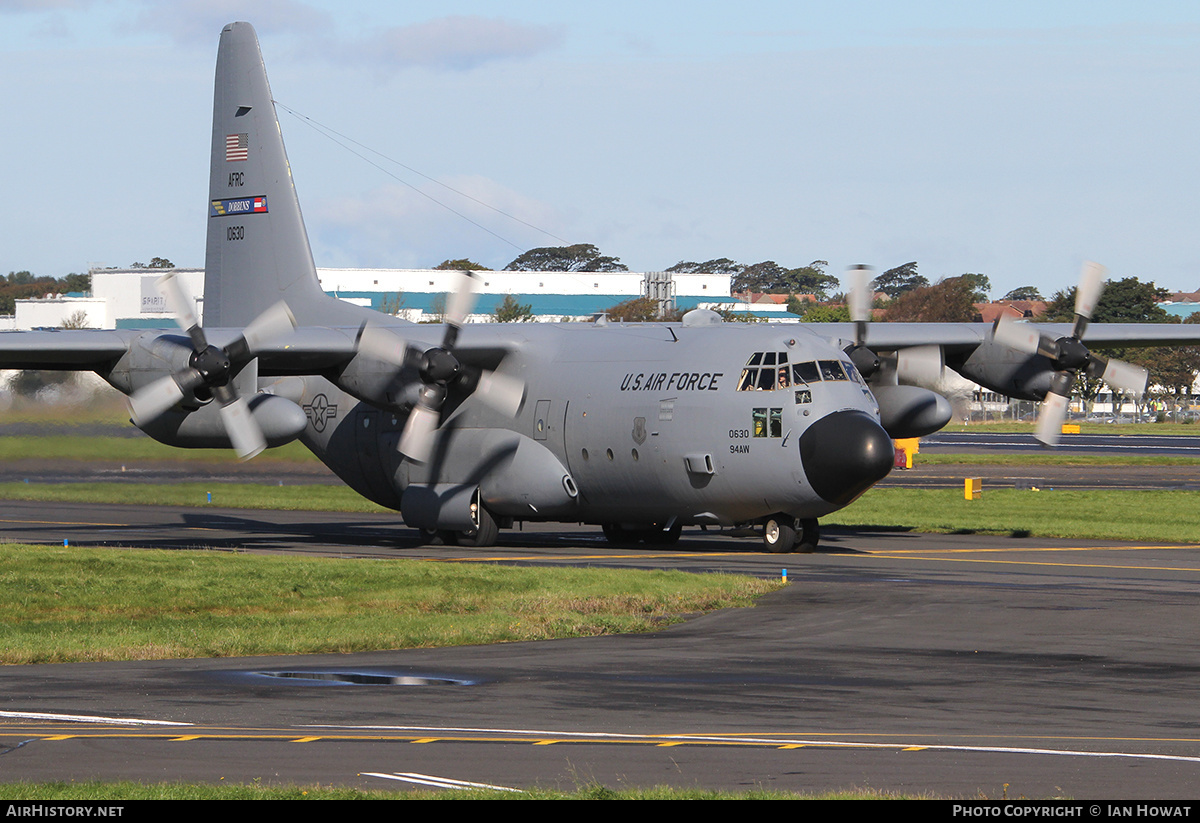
[
  {"x": 438, "y": 367},
  {"x": 211, "y": 368},
  {"x": 915, "y": 364},
  {"x": 1070, "y": 356}
]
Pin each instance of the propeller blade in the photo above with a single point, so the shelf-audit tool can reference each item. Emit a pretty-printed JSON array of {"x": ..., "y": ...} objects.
[
  {"x": 920, "y": 364},
  {"x": 1019, "y": 337},
  {"x": 276, "y": 321},
  {"x": 151, "y": 401},
  {"x": 416, "y": 441},
  {"x": 859, "y": 278},
  {"x": 502, "y": 392},
  {"x": 1091, "y": 284},
  {"x": 240, "y": 425},
  {"x": 184, "y": 309},
  {"x": 380, "y": 344},
  {"x": 460, "y": 301},
  {"x": 1050, "y": 420},
  {"x": 1126, "y": 377}
]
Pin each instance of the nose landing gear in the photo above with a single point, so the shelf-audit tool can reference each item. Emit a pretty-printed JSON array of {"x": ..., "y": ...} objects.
[{"x": 783, "y": 533}]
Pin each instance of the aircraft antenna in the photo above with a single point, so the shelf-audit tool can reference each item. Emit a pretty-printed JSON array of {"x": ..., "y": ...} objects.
[{"x": 338, "y": 138}]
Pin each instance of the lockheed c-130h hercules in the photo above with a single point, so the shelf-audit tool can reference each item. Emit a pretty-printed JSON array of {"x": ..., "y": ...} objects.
[{"x": 468, "y": 428}]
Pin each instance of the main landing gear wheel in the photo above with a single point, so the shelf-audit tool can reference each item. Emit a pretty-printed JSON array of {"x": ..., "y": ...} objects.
[
  {"x": 810, "y": 535},
  {"x": 486, "y": 535},
  {"x": 779, "y": 534}
]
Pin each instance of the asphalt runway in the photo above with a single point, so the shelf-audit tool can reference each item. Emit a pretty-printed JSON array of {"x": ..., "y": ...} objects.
[{"x": 954, "y": 664}]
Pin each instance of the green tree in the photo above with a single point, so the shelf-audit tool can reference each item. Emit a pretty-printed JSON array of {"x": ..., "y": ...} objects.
[
  {"x": 155, "y": 263},
  {"x": 1173, "y": 369},
  {"x": 461, "y": 264},
  {"x": 1024, "y": 293},
  {"x": 949, "y": 301},
  {"x": 510, "y": 311},
  {"x": 896, "y": 282},
  {"x": 721, "y": 265},
  {"x": 78, "y": 282},
  {"x": 981, "y": 284},
  {"x": 826, "y": 313},
  {"x": 639, "y": 309},
  {"x": 393, "y": 303},
  {"x": 810, "y": 279},
  {"x": 580, "y": 257},
  {"x": 759, "y": 277},
  {"x": 1123, "y": 301}
]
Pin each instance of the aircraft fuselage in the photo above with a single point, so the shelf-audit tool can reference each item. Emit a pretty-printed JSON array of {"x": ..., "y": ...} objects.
[{"x": 637, "y": 424}]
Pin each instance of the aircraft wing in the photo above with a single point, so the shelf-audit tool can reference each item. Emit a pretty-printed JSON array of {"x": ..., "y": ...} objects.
[
  {"x": 967, "y": 336},
  {"x": 74, "y": 349},
  {"x": 304, "y": 351}
]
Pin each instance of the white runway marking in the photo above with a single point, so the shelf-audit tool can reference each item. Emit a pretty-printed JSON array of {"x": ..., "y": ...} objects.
[
  {"x": 439, "y": 782},
  {"x": 774, "y": 741},
  {"x": 88, "y": 718}
]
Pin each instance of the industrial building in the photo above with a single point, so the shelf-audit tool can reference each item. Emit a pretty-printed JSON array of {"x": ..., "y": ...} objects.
[{"x": 130, "y": 299}]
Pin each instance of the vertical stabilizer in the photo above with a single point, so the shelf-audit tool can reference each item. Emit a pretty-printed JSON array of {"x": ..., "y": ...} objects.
[{"x": 257, "y": 252}]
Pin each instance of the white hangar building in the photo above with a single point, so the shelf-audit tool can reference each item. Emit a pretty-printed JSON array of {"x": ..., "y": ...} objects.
[{"x": 129, "y": 298}]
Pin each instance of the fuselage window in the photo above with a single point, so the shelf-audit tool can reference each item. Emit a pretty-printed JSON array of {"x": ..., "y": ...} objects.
[
  {"x": 831, "y": 370},
  {"x": 768, "y": 422}
]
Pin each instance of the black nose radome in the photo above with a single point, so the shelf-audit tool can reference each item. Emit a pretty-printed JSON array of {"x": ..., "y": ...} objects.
[{"x": 844, "y": 454}]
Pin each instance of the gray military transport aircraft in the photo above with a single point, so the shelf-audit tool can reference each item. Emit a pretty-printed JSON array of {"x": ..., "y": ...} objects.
[{"x": 468, "y": 428}]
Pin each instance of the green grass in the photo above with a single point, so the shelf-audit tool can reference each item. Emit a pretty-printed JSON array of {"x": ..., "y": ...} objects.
[
  {"x": 106, "y": 792},
  {"x": 122, "y": 450},
  {"x": 315, "y": 497},
  {"x": 1148, "y": 515},
  {"x": 70, "y": 604},
  {"x": 1011, "y": 427}
]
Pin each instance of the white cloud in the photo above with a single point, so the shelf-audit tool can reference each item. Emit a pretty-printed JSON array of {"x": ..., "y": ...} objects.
[
  {"x": 456, "y": 43},
  {"x": 199, "y": 21}
]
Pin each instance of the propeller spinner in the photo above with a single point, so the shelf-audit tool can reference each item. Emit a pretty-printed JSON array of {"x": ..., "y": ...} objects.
[{"x": 1070, "y": 356}]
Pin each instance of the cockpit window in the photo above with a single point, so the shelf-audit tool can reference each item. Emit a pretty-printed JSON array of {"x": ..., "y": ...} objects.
[
  {"x": 806, "y": 372},
  {"x": 852, "y": 372},
  {"x": 768, "y": 371},
  {"x": 831, "y": 370}
]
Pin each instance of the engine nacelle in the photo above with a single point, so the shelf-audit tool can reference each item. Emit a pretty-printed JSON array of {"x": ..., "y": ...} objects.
[
  {"x": 280, "y": 419},
  {"x": 509, "y": 473},
  {"x": 1008, "y": 372},
  {"x": 910, "y": 411}
]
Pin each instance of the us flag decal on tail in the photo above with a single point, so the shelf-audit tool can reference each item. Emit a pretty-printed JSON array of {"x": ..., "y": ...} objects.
[{"x": 237, "y": 147}]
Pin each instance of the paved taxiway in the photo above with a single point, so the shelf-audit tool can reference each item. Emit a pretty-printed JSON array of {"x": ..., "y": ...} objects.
[{"x": 946, "y": 663}]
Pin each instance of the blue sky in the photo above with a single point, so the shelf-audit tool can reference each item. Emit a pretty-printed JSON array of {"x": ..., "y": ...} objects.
[{"x": 1015, "y": 139}]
